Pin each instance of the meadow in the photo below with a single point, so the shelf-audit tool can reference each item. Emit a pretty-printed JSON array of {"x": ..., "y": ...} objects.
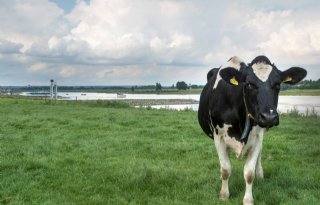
[{"x": 105, "y": 152}]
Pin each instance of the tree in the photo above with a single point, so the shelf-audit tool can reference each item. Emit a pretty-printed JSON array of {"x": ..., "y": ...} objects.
[
  {"x": 158, "y": 87},
  {"x": 181, "y": 85}
]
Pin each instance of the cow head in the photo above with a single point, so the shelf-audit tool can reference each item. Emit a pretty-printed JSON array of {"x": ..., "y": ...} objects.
[{"x": 261, "y": 85}]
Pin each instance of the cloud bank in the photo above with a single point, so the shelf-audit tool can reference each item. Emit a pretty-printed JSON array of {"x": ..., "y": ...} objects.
[{"x": 146, "y": 41}]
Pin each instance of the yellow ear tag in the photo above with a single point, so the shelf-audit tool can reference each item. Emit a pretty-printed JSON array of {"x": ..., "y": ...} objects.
[
  {"x": 234, "y": 81},
  {"x": 288, "y": 79}
]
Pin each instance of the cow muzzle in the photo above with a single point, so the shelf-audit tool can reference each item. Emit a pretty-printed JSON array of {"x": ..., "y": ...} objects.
[{"x": 268, "y": 119}]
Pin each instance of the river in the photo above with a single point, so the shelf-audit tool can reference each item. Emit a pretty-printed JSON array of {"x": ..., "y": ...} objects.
[{"x": 302, "y": 104}]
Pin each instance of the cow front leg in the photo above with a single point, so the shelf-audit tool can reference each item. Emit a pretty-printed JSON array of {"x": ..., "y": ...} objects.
[
  {"x": 249, "y": 169},
  {"x": 225, "y": 166}
]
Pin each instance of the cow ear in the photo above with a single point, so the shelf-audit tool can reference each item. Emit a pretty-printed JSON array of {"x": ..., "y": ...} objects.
[
  {"x": 293, "y": 75},
  {"x": 231, "y": 75}
]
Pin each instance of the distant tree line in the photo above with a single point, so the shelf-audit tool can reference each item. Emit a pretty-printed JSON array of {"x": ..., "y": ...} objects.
[
  {"x": 180, "y": 85},
  {"x": 305, "y": 84}
]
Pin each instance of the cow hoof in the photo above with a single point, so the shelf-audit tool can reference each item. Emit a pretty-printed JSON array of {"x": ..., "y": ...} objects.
[
  {"x": 247, "y": 201},
  {"x": 224, "y": 195}
]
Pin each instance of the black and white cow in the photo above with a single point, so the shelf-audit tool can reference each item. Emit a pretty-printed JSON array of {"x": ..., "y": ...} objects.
[{"x": 237, "y": 105}]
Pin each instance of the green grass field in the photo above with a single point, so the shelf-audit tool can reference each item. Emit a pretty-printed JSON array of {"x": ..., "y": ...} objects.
[{"x": 107, "y": 153}]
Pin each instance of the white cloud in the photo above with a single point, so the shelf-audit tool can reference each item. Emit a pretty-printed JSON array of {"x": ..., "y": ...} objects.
[
  {"x": 225, "y": 50},
  {"x": 262, "y": 21},
  {"x": 67, "y": 71},
  {"x": 28, "y": 22},
  {"x": 315, "y": 38},
  {"x": 181, "y": 42},
  {"x": 126, "y": 41},
  {"x": 158, "y": 45},
  {"x": 101, "y": 30},
  {"x": 112, "y": 30},
  {"x": 38, "y": 67},
  {"x": 123, "y": 72},
  {"x": 300, "y": 43}
]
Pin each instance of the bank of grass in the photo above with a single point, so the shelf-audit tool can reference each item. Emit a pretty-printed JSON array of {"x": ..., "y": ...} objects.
[
  {"x": 302, "y": 92},
  {"x": 97, "y": 153}
]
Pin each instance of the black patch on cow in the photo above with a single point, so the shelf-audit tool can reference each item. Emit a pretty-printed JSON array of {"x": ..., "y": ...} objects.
[
  {"x": 234, "y": 131},
  {"x": 211, "y": 73},
  {"x": 261, "y": 59},
  {"x": 296, "y": 73},
  {"x": 217, "y": 106}
]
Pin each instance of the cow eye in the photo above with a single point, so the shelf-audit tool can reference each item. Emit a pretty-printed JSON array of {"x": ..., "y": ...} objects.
[{"x": 251, "y": 86}]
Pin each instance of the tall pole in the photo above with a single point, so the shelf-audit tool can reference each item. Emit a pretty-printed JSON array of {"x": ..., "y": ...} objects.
[
  {"x": 56, "y": 91},
  {"x": 51, "y": 89}
]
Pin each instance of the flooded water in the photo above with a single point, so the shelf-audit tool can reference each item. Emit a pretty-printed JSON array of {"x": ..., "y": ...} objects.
[
  {"x": 114, "y": 96},
  {"x": 303, "y": 104}
]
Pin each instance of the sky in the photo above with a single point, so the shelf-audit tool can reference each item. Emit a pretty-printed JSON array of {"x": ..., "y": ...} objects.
[{"x": 141, "y": 42}]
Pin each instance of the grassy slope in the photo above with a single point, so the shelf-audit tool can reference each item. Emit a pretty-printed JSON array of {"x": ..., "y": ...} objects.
[{"x": 79, "y": 153}]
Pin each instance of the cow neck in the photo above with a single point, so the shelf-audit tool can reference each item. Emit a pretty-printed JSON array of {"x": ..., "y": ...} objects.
[{"x": 245, "y": 132}]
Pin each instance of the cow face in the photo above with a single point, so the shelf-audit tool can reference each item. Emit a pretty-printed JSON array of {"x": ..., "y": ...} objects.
[{"x": 261, "y": 85}]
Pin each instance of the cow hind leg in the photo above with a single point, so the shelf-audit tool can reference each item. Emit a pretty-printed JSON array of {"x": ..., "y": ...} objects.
[
  {"x": 259, "y": 169},
  {"x": 225, "y": 166}
]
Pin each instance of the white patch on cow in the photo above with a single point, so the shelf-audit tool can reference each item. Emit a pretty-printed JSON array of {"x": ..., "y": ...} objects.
[
  {"x": 234, "y": 62},
  {"x": 255, "y": 131},
  {"x": 217, "y": 80},
  {"x": 253, "y": 163},
  {"x": 235, "y": 145},
  {"x": 231, "y": 142},
  {"x": 253, "y": 147},
  {"x": 262, "y": 70}
]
